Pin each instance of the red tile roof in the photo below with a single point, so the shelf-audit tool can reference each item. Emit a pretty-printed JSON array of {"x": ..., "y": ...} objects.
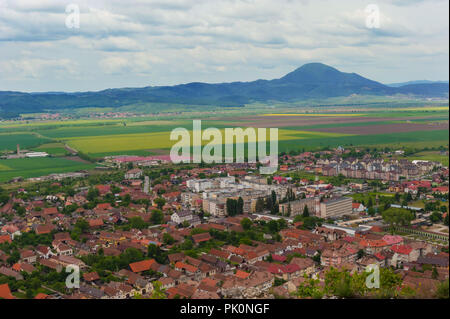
[
  {"x": 401, "y": 249},
  {"x": 201, "y": 237},
  {"x": 242, "y": 274},
  {"x": 5, "y": 292},
  {"x": 142, "y": 265}
]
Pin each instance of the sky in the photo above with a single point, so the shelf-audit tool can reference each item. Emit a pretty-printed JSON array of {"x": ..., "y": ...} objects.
[{"x": 138, "y": 43}]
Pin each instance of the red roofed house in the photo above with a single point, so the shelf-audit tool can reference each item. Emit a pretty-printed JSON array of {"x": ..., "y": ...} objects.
[
  {"x": 103, "y": 206},
  {"x": 5, "y": 292},
  {"x": 199, "y": 238},
  {"x": 403, "y": 254},
  {"x": 186, "y": 268},
  {"x": 5, "y": 239},
  {"x": 141, "y": 266},
  {"x": 242, "y": 274},
  {"x": 94, "y": 223}
]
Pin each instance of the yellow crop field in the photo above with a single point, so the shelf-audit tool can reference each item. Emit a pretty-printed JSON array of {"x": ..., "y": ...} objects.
[
  {"x": 4, "y": 167},
  {"x": 161, "y": 140}
]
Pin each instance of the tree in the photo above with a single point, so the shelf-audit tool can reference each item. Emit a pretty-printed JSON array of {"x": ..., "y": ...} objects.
[
  {"x": 273, "y": 226},
  {"x": 232, "y": 207},
  {"x": 246, "y": 223},
  {"x": 93, "y": 193},
  {"x": 305, "y": 211},
  {"x": 310, "y": 289},
  {"x": 397, "y": 216},
  {"x": 160, "y": 202},
  {"x": 259, "y": 207},
  {"x": 167, "y": 239},
  {"x": 289, "y": 210},
  {"x": 361, "y": 254},
  {"x": 436, "y": 217},
  {"x": 157, "y": 217},
  {"x": 158, "y": 291},
  {"x": 240, "y": 206},
  {"x": 187, "y": 245},
  {"x": 137, "y": 223},
  {"x": 442, "y": 290}
]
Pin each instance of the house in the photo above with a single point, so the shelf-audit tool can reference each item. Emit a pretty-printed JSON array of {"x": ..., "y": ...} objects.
[
  {"x": 68, "y": 261},
  {"x": 180, "y": 217},
  {"x": 403, "y": 254},
  {"x": 133, "y": 174},
  {"x": 199, "y": 238},
  {"x": 91, "y": 277},
  {"x": 28, "y": 268},
  {"x": 44, "y": 229},
  {"x": 64, "y": 250},
  {"x": 358, "y": 207},
  {"x": 50, "y": 263},
  {"x": 5, "y": 292},
  {"x": 5, "y": 239},
  {"x": 28, "y": 256},
  {"x": 8, "y": 272},
  {"x": 96, "y": 223},
  {"x": 307, "y": 265},
  {"x": 337, "y": 257},
  {"x": 141, "y": 266},
  {"x": 44, "y": 252},
  {"x": 186, "y": 268}
]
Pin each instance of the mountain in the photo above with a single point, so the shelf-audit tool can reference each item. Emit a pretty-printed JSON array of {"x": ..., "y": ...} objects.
[
  {"x": 396, "y": 85},
  {"x": 311, "y": 81}
]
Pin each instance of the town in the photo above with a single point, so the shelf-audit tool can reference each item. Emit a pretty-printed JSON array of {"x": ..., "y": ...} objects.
[{"x": 146, "y": 228}]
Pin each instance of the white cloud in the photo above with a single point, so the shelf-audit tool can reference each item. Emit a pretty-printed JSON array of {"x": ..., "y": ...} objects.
[{"x": 122, "y": 43}]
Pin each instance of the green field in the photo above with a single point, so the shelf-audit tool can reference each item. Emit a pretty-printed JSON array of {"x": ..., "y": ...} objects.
[
  {"x": 9, "y": 141},
  {"x": 54, "y": 149},
  {"x": 430, "y": 156},
  {"x": 149, "y": 135},
  {"x": 35, "y": 167}
]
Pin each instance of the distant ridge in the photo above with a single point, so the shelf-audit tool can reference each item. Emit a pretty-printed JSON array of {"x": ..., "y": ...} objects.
[
  {"x": 313, "y": 80},
  {"x": 396, "y": 85}
]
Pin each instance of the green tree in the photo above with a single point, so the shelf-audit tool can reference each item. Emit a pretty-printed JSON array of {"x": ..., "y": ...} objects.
[
  {"x": 442, "y": 290},
  {"x": 240, "y": 206},
  {"x": 157, "y": 217},
  {"x": 305, "y": 211},
  {"x": 397, "y": 217},
  {"x": 167, "y": 239},
  {"x": 246, "y": 223},
  {"x": 160, "y": 202}
]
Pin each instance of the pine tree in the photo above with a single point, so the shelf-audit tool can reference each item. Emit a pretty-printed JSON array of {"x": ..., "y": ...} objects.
[{"x": 306, "y": 211}]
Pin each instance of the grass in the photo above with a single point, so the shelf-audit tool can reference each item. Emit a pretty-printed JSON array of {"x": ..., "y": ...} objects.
[
  {"x": 430, "y": 156},
  {"x": 418, "y": 139},
  {"x": 9, "y": 141},
  {"x": 55, "y": 149},
  {"x": 35, "y": 167}
]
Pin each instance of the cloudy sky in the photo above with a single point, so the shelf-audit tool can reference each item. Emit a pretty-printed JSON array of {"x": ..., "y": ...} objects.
[{"x": 135, "y": 43}]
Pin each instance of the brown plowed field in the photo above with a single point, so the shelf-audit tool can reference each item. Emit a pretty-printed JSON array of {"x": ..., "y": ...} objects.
[
  {"x": 383, "y": 129},
  {"x": 286, "y": 121}
]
